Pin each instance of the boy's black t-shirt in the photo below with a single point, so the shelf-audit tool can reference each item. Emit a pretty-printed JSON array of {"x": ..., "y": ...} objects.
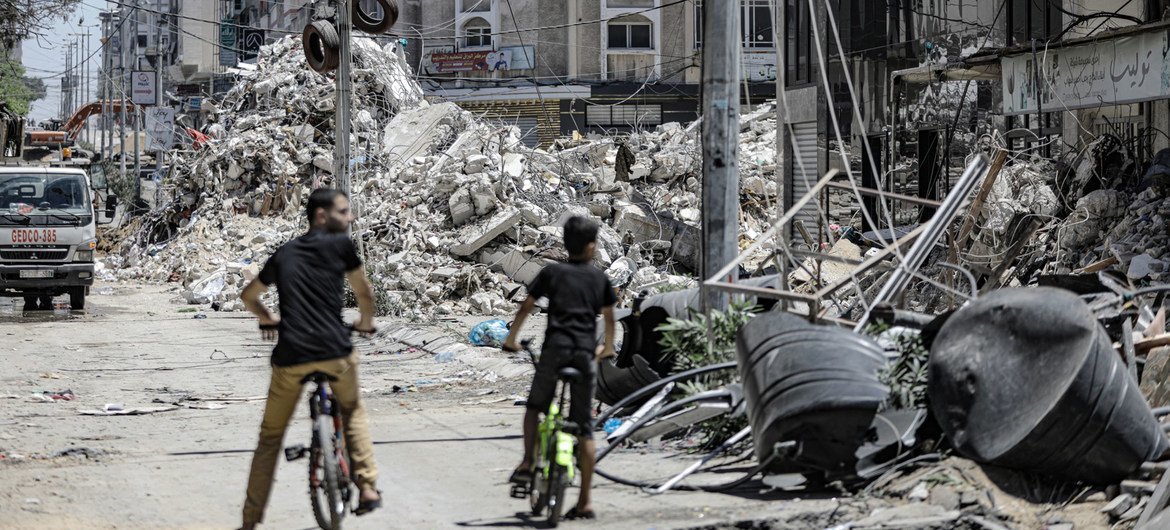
[
  {"x": 309, "y": 274},
  {"x": 576, "y": 294}
]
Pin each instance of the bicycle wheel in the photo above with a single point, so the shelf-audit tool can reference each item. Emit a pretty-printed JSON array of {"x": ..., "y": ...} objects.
[
  {"x": 536, "y": 497},
  {"x": 324, "y": 488},
  {"x": 557, "y": 482}
]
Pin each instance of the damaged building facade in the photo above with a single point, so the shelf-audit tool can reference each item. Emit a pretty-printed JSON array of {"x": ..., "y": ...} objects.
[{"x": 600, "y": 66}]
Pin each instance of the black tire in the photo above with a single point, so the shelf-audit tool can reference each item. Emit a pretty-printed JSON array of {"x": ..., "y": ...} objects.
[
  {"x": 328, "y": 505},
  {"x": 46, "y": 303},
  {"x": 373, "y": 25},
  {"x": 30, "y": 303},
  {"x": 321, "y": 45},
  {"x": 557, "y": 482},
  {"x": 77, "y": 298},
  {"x": 537, "y": 500}
]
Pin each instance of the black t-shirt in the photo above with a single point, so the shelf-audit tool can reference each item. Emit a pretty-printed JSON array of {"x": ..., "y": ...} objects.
[
  {"x": 576, "y": 294},
  {"x": 309, "y": 274}
]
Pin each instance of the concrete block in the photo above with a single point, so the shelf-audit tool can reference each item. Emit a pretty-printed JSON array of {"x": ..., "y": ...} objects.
[
  {"x": 475, "y": 164},
  {"x": 518, "y": 265},
  {"x": 640, "y": 222},
  {"x": 476, "y": 237},
  {"x": 514, "y": 164},
  {"x": 462, "y": 207}
]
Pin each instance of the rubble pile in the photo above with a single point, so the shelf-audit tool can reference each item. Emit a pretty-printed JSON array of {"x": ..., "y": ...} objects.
[{"x": 456, "y": 215}]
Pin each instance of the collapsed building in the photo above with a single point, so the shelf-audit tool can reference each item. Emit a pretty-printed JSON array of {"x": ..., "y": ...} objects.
[{"x": 455, "y": 214}]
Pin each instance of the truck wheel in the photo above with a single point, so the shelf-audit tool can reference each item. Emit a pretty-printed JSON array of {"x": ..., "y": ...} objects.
[
  {"x": 77, "y": 299},
  {"x": 46, "y": 303},
  {"x": 30, "y": 303}
]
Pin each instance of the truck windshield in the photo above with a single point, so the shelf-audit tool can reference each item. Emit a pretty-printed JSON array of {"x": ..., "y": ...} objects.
[{"x": 44, "y": 198}]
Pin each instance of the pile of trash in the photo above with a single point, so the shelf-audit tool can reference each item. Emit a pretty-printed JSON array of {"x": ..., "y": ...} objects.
[{"x": 456, "y": 214}]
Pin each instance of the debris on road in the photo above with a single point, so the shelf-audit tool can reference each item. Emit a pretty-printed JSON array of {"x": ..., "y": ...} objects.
[{"x": 131, "y": 411}]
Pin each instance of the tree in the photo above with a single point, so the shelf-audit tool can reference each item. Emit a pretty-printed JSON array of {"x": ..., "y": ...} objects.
[
  {"x": 14, "y": 88},
  {"x": 21, "y": 19},
  {"x": 36, "y": 87}
]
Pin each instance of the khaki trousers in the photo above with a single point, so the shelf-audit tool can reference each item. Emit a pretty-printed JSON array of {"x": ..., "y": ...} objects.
[{"x": 284, "y": 391}]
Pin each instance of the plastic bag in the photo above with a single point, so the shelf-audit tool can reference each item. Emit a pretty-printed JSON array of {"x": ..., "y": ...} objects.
[{"x": 489, "y": 333}]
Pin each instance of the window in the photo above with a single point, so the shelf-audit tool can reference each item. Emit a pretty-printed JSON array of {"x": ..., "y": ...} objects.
[
  {"x": 477, "y": 33},
  {"x": 623, "y": 115},
  {"x": 631, "y": 33},
  {"x": 476, "y": 6},
  {"x": 799, "y": 36},
  {"x": 756, "y": 24},
  {"x": 1029, "y": 19}
]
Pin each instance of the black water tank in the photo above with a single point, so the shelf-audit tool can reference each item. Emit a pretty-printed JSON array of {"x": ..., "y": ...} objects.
[
  {"x": 815, "y": 385},
  {"x": 1028, "y": 379}
]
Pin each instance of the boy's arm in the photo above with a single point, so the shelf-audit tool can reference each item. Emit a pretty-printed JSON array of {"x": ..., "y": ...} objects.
[
  {"x": 517, "y": 323},
  {"x": 365, "y": 298},
  {"x": 607, "y": 350},
  {"x": 251, "y": 298}
]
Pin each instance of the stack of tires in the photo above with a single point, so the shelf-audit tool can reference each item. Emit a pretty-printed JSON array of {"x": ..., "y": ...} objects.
[{"x": 322, "y": 43}]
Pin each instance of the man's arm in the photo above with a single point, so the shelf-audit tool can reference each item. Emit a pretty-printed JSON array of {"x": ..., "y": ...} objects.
[
  {"x": 251, "y": 298},
  {"x": 365, "y": 298},
  {"x": 607, "y": 349},
  {"x": 518, "y": 322}
]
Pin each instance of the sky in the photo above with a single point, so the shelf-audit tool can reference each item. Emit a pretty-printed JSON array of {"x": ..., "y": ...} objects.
[{"x": 45, "y": 57}]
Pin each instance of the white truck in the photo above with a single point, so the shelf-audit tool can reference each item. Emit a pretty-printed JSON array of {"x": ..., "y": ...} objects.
[{"x": 48, "y": 234}]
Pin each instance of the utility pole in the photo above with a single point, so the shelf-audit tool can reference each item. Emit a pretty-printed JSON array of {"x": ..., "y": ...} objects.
[
  {"x": 343, "y": 89},
  {"x": 720, "y": 143},
  {"x": 123, "y": 51},
  {"x": 103, "y": 80},
  {"x": 137, "y": 114},
  {"x": 158, "y": 90},
  {"x": 781, "y": 139}
]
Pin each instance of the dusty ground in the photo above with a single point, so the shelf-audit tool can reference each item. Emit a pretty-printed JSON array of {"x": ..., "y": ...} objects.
[{"x": 444, "y": 444}]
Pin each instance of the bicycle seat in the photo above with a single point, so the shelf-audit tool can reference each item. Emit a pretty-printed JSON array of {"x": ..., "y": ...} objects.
[
  {"x": 317, "y": 377},
  {"x": 571, "y": 375}
]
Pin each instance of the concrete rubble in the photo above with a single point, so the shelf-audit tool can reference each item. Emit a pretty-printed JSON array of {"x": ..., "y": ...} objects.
[{"x": 454, "y": 213}]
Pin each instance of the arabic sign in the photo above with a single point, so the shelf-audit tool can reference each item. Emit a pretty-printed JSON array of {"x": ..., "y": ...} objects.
[
  {"x": 1108, "y": 72},
  {"x": 227, "y": 42},
  {"x": 468, "y": 61},
  {"x": 160, "y": 128},
  {"x": 144, "y": 87},
  {"x": 759, "y": 66}
]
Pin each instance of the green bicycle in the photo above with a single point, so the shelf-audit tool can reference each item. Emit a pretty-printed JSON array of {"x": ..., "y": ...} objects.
[{"x": 555, "y": 464}]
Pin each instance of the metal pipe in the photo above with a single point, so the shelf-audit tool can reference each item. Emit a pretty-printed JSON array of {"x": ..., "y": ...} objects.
[{"x": 935, "y": 228}]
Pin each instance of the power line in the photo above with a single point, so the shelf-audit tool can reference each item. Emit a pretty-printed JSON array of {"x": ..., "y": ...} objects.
[{"x": 290, "y": 32}]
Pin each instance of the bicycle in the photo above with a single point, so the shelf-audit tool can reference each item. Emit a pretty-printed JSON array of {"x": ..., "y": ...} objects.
[
  {"x": 555, "y": 462},
  {"x": 331, "y": 485}
]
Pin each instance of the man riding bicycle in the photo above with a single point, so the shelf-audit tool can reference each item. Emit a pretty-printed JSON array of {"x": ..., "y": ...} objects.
[{"x": 309, "y": 273}]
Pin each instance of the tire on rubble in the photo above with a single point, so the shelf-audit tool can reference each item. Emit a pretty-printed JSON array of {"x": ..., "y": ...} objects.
[
  {"x": 321, "y": 44},
  {"x": 368, "y": 23}
]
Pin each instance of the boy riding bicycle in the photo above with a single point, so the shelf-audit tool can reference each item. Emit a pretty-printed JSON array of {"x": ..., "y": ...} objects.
[{"x": 577, "y": 292}]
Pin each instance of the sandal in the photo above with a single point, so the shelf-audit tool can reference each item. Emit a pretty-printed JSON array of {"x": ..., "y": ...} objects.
[
  {"x": 365, "y": 507},
  {"x": 521, "y": 476},
  {"x": 574, "y": 513}
]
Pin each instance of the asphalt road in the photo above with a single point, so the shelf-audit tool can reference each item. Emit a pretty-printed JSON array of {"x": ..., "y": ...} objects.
[{"x": 445, "y": 443}]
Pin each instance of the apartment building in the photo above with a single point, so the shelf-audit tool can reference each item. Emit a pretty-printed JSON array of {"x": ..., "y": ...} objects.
[{"x": 555, "y": 67}]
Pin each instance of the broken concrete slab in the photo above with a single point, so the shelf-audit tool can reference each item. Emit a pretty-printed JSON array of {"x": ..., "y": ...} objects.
[
  {"x": 479, "y": 235},
  {"x": 414, "y": 132},
  {"x": 518, "y": 265}
]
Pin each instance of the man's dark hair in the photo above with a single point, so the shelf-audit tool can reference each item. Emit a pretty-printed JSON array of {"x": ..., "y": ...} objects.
[
  {"x": 579, "y": 233},
  {"x": 321, "y": 198}
]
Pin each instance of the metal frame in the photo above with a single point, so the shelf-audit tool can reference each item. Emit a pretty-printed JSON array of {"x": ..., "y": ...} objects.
[{"x": 933, "y": 230}]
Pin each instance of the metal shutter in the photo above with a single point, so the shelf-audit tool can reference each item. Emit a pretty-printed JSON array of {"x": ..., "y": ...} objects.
[{"x": 808, "y": 154}]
